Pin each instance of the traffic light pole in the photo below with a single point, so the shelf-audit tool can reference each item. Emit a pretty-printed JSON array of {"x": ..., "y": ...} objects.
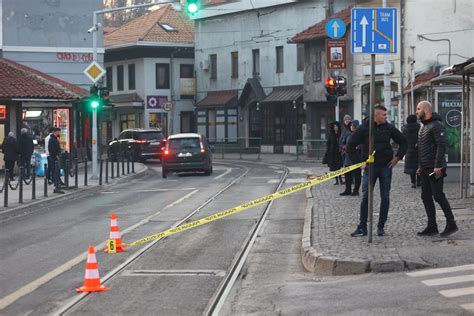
[
  {"x": 371, "y": 147},
  {"x": 337, "y": 108}
]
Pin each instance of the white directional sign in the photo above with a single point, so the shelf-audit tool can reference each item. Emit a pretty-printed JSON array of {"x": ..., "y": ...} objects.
[{"x": 374, "y": 30}]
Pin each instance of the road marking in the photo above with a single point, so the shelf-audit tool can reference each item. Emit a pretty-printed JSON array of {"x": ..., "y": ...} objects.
[
  {"x": 290, "y": 180},
  {"x": 457, "y": 292},
  {"x": 228, "y": 170},
  {"x": 441, "y": 270},
  {"x": 468, "y": 307},
  {"x": 450, "y": 280},
  {"x": 150, "y": 190},
  {"x": 219, "y": 273},
  {"x": 30, "y": 287}
]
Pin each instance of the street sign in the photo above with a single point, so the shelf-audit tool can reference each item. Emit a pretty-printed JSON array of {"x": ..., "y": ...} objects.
[
  {"x": 167, "y": 107},
  {"x": 336, "y": 54},
  {"x": 335, "y": 28},
  {"x": 94, "y": 71},
  {"x": 374, "y": 30}
]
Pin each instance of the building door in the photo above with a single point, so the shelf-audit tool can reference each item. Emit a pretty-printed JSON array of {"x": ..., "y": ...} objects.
[
  {"x": 187, "y": 119},
  {"x": 279, "y": 122}
]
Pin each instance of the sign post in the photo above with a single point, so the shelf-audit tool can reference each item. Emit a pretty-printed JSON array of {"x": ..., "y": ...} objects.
[{"x": 374, "y": 31}]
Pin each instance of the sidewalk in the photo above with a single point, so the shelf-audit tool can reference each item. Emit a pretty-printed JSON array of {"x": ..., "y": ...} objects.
[
  {"x": 28, "y": 202},
  {"x": 329, "y": 249}
]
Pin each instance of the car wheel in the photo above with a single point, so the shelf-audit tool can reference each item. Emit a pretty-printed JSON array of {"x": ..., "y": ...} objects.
[{"x": 208, "y": 170}]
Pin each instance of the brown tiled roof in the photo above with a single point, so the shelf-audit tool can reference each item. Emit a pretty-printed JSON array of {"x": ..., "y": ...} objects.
[
  {"x": 147, "y": 28},
  {"x": 318, "y": 31},
  {"x": 222, "y": 97},
  {"x": 18, "y": 81},
  {"x": 420, "y": 80}
]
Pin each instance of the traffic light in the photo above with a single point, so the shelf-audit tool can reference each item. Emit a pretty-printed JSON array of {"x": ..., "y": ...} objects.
[
  {"x": 97, "y": 97},
  {"x": 192, "y": 6},
  {"x": 331, "y": 89},
  {"x": 341, "y": 86}
]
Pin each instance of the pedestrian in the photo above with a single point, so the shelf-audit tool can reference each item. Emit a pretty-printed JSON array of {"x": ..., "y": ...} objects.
[
  {"x": 345, "y": 132},
  {"x": 333, "y": 157},
  {"x": 54, "y": 151},
  {"x": 410, "y": 131},
  {"x": 46, "y": 150},
  {"x": 383, "y": 133},
  {"x": 432, "y": 143},
  {"x": 354, "y": 174},
  {"x": 25, "y": 146},
  {"x": 10, "y": 153}
]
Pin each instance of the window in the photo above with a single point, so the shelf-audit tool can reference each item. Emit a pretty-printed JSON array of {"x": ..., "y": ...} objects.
[
  {"x": 235, "y": 64},
  {"x": 167, "y": 27},
  {"x": 279, "y": 59},
  {"x": 110, "y": 78},
  {"x": 255, "y": 62},
  {"x": 126, "y": 121},
  {"x": 162, "y": 76},
  {"x": 120, "y": 78},
  {"x": 300, "y": 57},
  {"x": 186, "y": 71},
  {"x": 131, "y": 77},
  {"x": 316, "y": 66},
  {"x": 213, "y": 62}
]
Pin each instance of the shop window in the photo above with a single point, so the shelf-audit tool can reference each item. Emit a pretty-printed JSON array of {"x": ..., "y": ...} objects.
[
  {"x": 120, "y": 78},
  {"x": 379, "y": 98},
  {"x": 232, "y": 125},
  {"x": 186, "y": 71},
  {"x": 234, "y": 56},
  {"x": 162, "y": 76},
  {"x": 110, "y": 80},
  {"x": 299, "y": 57},
  {"x": 213, "y": 65},
  {"x": 279, "y": 59},
  {"x": 158, "y": 120},
  {"x": 131, "y": 77},
  {"x": 256, "y": 62},
  {"x": 202, "y": 123},
  {"x": 127, "y": 121}
]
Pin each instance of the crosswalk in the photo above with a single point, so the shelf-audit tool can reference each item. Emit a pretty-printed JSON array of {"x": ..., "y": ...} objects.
[{"x": 453, "y": 282}]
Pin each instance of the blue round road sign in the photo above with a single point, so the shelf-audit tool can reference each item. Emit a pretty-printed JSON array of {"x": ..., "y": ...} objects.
[{"x": 335, "y": 28}]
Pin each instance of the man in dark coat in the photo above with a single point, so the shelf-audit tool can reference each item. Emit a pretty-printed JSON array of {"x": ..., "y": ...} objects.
[
  {"x": 54, "y": 151},
  {"x": 410, "y": 131},
  {"x": 26, "y": 146},
  {"x": 432, "y": 143},
  {"x": 384, "y": 162},
  {"x": 10, "y": 153}
]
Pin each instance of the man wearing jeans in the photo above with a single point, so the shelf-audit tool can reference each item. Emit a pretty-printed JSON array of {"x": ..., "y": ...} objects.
[{"x": 384, "y": 162}]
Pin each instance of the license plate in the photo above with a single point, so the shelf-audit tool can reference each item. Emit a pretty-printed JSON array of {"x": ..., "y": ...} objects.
[{"x": 185, "y": 155}]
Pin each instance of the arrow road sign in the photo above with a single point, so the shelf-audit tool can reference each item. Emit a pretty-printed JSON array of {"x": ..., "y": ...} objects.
[
  {"x": 374, "y": 30},
  {"x": 335, "y": 28}
]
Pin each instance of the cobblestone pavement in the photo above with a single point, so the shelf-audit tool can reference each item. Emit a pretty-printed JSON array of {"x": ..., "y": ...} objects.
[{"x": 334, "y": 217}]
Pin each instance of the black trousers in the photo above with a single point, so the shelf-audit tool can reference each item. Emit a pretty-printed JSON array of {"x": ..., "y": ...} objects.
[
  {"x": 10, "y": 165},
  {"x": 415, "y": 179},
  {"x": 434, "y": 189},
  {"x": 356, "y": 176}
]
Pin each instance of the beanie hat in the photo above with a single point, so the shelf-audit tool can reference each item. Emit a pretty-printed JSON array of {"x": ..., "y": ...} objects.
[
  {"x": 355, "y": 123},
  {"x": 347, "y": 117}
]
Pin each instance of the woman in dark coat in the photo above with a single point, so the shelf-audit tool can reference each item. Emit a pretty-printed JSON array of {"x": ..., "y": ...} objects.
[
  {"x": 333, "y": 156},
  {"x": 410, "y": 131},
  {"x": 10, "y": 153}
]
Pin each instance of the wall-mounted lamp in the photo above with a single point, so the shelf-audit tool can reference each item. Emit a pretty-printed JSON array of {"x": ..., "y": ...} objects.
[
  {"x": 258, "y": 106},
  {"x": 294, "y": 105}
]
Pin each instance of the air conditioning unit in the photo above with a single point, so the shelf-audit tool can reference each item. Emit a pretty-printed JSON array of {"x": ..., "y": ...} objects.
[{"x": 204, "y": 64}]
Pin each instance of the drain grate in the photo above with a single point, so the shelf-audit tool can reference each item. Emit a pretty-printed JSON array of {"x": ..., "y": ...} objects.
[{"x": 218, "y": 273}]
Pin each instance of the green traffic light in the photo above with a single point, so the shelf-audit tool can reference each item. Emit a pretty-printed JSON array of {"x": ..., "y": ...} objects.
[
  {"x": 192, "y": 8},
  {"x": 95, "y": 104}
]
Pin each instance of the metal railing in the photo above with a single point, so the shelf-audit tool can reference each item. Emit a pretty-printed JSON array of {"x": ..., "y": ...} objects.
[
  {"x": 236, "y": 145},
  {"x": 311, "y": 148}
]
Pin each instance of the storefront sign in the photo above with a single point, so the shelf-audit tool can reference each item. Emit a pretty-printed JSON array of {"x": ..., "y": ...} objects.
[
  {"x": 449, "y": 107},
  {"x": 187, "y": 86},
  {"x": 155, "y": 101},
  {"x": 3, "y": 112},
  {"x": 75, "y": 57},
  {"x": 336, "y": 54}
]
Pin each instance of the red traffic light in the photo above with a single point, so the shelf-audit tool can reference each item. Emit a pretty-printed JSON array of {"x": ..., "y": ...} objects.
[{"x": 330, "y": 82}]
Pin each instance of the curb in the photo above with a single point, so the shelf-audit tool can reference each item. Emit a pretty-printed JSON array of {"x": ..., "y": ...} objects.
[
  {"x": 321, "y": 264},
  {"x": 56, "y": 199}
]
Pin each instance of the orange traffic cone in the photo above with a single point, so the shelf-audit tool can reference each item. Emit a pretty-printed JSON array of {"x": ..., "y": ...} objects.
[
  {"x": 92, "y": 278},
  {"x": 115, "y": 234}
]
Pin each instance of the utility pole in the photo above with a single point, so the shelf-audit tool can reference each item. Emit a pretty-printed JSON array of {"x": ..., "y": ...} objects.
[{"x": 387, "y": 91}]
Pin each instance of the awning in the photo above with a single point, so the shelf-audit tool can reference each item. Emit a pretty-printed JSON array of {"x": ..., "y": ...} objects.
[
  {"x": 252, "y": 85},
  {"x": 215, "y": 98},
  {"x": 285, "y": 94},
  {"x": 132, "y": 100}
]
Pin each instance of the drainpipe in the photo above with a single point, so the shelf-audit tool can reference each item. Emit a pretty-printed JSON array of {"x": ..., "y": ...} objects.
[{"x": 172, "y": 98}]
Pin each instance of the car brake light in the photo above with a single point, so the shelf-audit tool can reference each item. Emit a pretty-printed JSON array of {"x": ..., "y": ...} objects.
[
  {"x": 141, "y": 141},
  {"x": 202, "y": 146}
]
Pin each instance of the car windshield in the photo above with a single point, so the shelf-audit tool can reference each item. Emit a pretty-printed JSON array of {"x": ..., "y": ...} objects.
[
  {"x": 151, "y": 135},
  {"x": 184, "y": 143}
]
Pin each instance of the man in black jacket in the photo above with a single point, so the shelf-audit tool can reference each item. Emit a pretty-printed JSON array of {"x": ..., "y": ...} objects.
[
  {"x": 383, "y": 164},
  {"x": 432, "y": 143},
  {"x": 54, "y": 151},
  {"x": 26, "y": 146}
]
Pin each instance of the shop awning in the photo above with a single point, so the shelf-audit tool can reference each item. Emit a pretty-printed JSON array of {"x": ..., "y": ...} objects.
[
  {"x": 285, "y": 94},
  {"x": 126, "y": 100},
  {"x": 216, "y": 98},
  {"x": 252, "y": 85}
]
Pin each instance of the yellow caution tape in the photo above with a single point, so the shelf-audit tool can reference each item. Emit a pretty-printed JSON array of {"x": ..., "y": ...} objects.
[
  {"x": 371, "y": 158},
  {"x": 243, "y": 207}
]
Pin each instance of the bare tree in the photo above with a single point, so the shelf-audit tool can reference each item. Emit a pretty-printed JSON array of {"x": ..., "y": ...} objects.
[{"x": 119, "y": 18}]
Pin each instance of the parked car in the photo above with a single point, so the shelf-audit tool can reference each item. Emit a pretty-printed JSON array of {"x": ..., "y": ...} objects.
[
  {"x": 143, "y": 143},
  {"x": 186, "y": 152}
]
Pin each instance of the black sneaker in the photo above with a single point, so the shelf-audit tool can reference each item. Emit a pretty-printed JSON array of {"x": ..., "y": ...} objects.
[
  {"x": 359, "y": 232},
  {"x": 58, "y": 191},
  {"x": 345, "y": 193},
  {"x": 380, "y": 231},
  {"x": 355, "y": 193},
  {"x": 450, "y": 229},
  {"x": 429, "y": 231}
]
